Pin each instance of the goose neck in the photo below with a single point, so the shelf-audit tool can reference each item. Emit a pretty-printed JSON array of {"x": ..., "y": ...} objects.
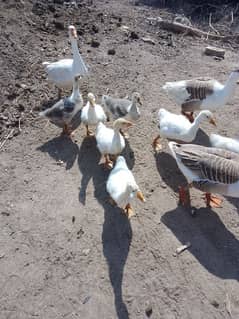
[{"x": 74, "y": 46}]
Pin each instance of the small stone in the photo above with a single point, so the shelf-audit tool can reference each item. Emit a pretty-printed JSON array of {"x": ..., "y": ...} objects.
[
  {"x": 59, "y": 25},
  {"x": 215, "y": 303},
  {"x": 5, "y": 213},
  {"x": 95, "y": 28},
  {"x": 111, "y": 51},
  {"x": 134, "y": 35},
  {"x": 95, "y": 43},
  {"x": 86, "y": 251},
  {"x": 148, "y": 40},
  {"x": 148, "y": 311}
]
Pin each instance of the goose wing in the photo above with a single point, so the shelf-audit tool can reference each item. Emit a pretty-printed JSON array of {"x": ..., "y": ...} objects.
[
  {"x": 211, "y": 164},
  {"x": 118, "y": 107},
  {"x": 198, "y": 90}
]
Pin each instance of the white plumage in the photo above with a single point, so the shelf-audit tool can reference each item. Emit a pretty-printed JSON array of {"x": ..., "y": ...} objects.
[
  {"x": 122, "y": 187},
  {"x": 110, "y": 141},
  {"x": 92, "y": 113},
  {"x": 223, "y": 142},
  {"x": 177, "y": 127},
  {"x": 62, "y": 72},
  {"x": 201, "y": 94}
]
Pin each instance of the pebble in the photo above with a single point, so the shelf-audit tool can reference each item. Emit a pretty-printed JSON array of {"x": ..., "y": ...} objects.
[
  {"x": 148, "y": 311},
  {"x": 111, "y": 51},
  {"x": 95, "y": 43}
]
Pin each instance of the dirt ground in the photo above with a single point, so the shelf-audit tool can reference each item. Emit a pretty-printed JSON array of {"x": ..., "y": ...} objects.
[{"x": 64, "y": 251}]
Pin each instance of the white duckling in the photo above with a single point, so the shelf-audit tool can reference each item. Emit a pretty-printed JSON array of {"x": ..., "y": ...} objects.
[
  {"x": 226, "y": 143},
  {"x": 201, "y": 93},
  {"x": 178, "y": 127},
  {"x": 92, "y": 114},
  {"x": 110, "y": 141},
  {"x": 63, "y": 112},
  {"x": 122, "y": 187},
  {"x": 62, "y": 72},
  {"x": 208, "y": 169}
]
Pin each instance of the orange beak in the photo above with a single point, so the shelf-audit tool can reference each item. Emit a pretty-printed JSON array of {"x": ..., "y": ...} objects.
[
  {"x": 140, "y": 196},
  {"x": 212, "y": 121},
  {"x": 129, "y": 124}
]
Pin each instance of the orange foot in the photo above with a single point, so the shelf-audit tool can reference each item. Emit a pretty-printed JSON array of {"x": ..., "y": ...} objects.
[
  {"x": 89, "y": 133},
  {"x": 67, "y": 131},
  {"x": 129, "y": 211},
  {"x": 212, "y": 201},
  {"x": 108, "y": 165},
  {"x": 184, "y": 196},
  {"x": 156, "y": 144}
]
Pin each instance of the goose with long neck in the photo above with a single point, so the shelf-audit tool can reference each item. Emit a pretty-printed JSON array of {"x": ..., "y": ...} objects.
[
  {"x": 62, "y": 72},
  {"x": 178, "y": 127},
  {"x": 201, "y": 93},
  {"x": 110, "y": 141},
  {"x": 64, "y": 111}
]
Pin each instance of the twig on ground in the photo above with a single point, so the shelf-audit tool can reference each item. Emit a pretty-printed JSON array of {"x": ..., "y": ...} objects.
[
  {"x": 6, "y": 138},
  {"x": 210, "y": 24},
  {"x": 19, "y": 124},
  {"x": 180, "y": 28},
  {"x": 228, "y": 305}
]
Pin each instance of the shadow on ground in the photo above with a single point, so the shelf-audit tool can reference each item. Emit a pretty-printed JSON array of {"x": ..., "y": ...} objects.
[
  {"x": 61, "y": 148},
  {"x": 116, "y": 239},
  {"x": 212, "y": 244},
  {"x": 88, "y": 162}
]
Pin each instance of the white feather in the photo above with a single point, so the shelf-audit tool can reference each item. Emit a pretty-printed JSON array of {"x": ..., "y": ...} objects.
[
  {"x": 121, "y": 184},
  {"x": 108, "y": 140},
  {"x": 226, "y": 143}
]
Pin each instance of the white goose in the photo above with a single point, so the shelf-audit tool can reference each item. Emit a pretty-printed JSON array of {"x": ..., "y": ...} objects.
[
  {"x": 62, "y": 72},
  {"x": 63, "y": 112},
  {"x": 110, "y": 141},
  {"x": 177, "y": 127},
  {"x": 201, "y": 94},
  {"x": 92, "y": 114},
  {"x": 122, "y": 187},
  {"x": 226, "y": 143},
  {"x": 207, "y": 169}
]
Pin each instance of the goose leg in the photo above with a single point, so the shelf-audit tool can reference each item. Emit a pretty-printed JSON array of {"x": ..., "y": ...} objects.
[
  {"x": 212, "y": 201},
  {"x": 184, "y": 196},
  {"x": 156, "y": 144},
  {"x": 108, "y": 163},
  {"x": 189, "y": 115},
  {"x": 66, "y": 130},
  {"x": 88, "y": 132},
  {"x": 129, "y": 211},
  {"x": 59, "y": 93}
]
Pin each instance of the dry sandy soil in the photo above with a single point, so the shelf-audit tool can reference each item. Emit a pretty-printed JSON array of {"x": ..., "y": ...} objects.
[{"x": 101, "y": 265}]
